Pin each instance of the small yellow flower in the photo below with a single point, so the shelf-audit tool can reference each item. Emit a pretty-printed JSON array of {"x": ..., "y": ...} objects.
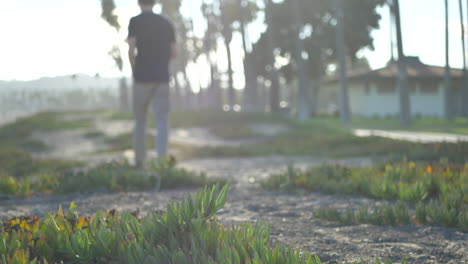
[
  {"x": 429, "y": 169},
  {"x": 24, "y": 224},
  {"x": 82, "y": 223},
  {"x": 14, "y": 222}
]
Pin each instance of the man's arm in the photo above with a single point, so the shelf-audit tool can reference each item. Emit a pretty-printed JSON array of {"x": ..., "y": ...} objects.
[{"x": 132, "y": 51}]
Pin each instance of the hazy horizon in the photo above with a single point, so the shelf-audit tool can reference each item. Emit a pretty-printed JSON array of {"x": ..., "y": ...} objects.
[{"x": 73, "y": 39}]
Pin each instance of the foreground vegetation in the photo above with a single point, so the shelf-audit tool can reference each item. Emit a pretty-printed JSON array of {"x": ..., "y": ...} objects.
[
  {"x": 437, "y": 191},
  {"x": 187, "y": 232},
  {"x": 21, "y": 176}
]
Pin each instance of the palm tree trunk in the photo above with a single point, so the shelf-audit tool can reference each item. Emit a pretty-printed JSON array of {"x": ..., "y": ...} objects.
[
  {"x": 405, "y": 107},
  {"x": 341, "y": 48},
  {"x": 464, "y": 90},
  {"x": 188, "y": 91},
  {"x": 274, "y": 89},
  {"x": 231, "y": 91},
  {"x": 212, "y": 91},
  {"x": 448, "y": 79},
  {"x": 178, "y": 96},
  {"x": 250, "y": 90},
  {"x": 304, "y": 84}
]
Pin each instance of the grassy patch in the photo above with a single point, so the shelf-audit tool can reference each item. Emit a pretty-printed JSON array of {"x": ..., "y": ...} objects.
[
  {"x": 207, "y": 118},
  {"x": 123, "y": 177},
  {"x": 187, "y": 232},
  {"x": 105, "y": 178},
  {"x": 233, "y": 131},
  {"x": 378, "y": 215},
  {"x": 182, "y": 151},
  {"x": 123, "y": 142},
  {"x": 227, "y": 125},
  {"x": 17, "y": 134},
  {"x": 398, "y": 214},
  {"x": 22, "y": 175},
  {"x": 440, "y": 190},
  {"x": 94, "y": 134},
  {"x": 20, "y": 164},
  {"x": 321, "y": 137},
  {"x": 327, "y": 138}
]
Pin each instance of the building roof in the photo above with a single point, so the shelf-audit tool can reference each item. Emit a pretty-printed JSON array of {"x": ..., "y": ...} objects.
[{"x": 415, "y": 69}]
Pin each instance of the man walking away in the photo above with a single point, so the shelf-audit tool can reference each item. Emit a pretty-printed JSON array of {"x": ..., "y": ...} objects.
[{"x": 151, "y": 39}]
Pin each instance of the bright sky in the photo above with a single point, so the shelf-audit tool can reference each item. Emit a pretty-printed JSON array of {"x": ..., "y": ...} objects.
[{"x": 57, "y": 37}]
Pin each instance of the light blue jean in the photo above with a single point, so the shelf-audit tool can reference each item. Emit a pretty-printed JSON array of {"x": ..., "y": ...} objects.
[{"x": 143, "y": 95}]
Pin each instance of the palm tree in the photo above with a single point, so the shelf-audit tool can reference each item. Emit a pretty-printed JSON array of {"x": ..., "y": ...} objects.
[
  {"x": 231, "y": 92},
  {"x": 228, "y": 17},
  {"x": 405, "y": 107},
  {"x": 108, "y": 8},
  {"x": 171, "y": 9},
  {"x": 211, "y": 36},
  {"x": 341, "y": 50},
  {"x": 247, "y": 13},
  {"x": 274, "y": 79},
  {"x": 448, "y": 88},
  {"x": 464, "y": 110},
  {"x": 465, "y": 90},
  {"x": 304, "y": 84}
]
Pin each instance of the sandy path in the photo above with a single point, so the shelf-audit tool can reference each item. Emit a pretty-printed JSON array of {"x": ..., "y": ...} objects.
[{"x": 419, "y": 137}]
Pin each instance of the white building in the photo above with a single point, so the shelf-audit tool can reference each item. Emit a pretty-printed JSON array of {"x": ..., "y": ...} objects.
[{"x": 375, "y": 94}]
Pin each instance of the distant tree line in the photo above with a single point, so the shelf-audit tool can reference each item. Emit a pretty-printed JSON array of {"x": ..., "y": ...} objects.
[{"x": 303, "y": 38}]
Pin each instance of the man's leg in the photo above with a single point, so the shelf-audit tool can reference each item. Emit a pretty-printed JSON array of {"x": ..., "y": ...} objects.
[
  {"x": 161, "y": 114},
  {"x": 142, "y": 96}
]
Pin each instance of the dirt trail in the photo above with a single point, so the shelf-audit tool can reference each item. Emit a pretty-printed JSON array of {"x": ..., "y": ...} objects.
[{"x": 290, "y": 216}]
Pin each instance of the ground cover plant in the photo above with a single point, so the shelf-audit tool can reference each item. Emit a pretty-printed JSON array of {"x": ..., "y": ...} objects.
[
  {"x": 187, "y": 232},
  {"x": 397, "y": 214},
  {"x": 320, "y": 136},
  {"x": 438, "y": 191},
  {"x": 18, "y": 133},
  {"x": 22, "y": 176}
]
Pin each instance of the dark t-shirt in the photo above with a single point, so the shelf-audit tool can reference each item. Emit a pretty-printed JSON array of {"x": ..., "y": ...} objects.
[{"x": 154, "y": 35}]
